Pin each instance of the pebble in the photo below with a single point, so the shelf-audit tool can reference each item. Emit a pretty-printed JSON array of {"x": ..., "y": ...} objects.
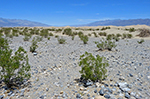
[{"x": 101, "y": 92}]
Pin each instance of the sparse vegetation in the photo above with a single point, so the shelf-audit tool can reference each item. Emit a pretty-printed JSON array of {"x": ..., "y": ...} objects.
[
  {"x": 84, "y": 38},
  {"x": 68, "y": 32},
  {"x": 105, "y": 44},
  {"x": 61, "y": 40},
  {"x": 141, "y": 41},
  {"x": 34, "y": 45},
  {"x": 93, "y": 68},
  {"x": 102, "y": 34},
  {"x": 105, "y": 28},
  {"x": 14, "y": 69}
]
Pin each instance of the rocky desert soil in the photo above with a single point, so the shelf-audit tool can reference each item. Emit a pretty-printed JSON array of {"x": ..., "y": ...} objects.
[{"x": 55, "y": 69}]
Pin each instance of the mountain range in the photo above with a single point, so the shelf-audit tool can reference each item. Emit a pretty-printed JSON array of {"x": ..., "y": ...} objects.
[
  {"x": 18, "y": 22},
  {"x": 118, "y": 22}
]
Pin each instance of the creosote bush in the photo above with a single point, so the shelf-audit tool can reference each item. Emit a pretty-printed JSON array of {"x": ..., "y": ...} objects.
[
  {"x": 84, "y": 38},
  {"x": 68, "y": 32},
  {"x": 93, "y": 68},
  {"x": 141, "y": 41},
  {"x": 106, "y": 44},
  {"x": 13, "y": 68},
  {"x": 61, "y": 40},
  {"x": 34, "y": 45}
]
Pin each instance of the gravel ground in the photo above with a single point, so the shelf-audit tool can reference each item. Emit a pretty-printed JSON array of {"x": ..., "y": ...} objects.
[{"x": 55, "y": 70}]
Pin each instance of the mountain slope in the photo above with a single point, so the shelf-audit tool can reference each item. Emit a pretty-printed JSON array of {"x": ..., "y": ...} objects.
[
  {"x": 119, "y": 22},
  {"x": 18, "y": 22}
]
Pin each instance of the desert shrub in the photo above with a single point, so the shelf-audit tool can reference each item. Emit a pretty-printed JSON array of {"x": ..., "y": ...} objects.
[
  {"x": 84, "y": 38},
  {"x": 11, "y": 36},
  {"x": 38, "y": 38},
  {"x": 68, "y": 31},
  {"x": 89, "y": 34},
  {"x": 105, "y": 28},
  {"x": 95, "y": 34},
  {"x": 141, "y": 41},
  {"x": 73, "y": 37},
  {"x": 106, "y": 44},
  {"x": 110, "y": 36},
  {"x": 51, "y": 34},
  {"x": 80, "y": 34},
  {"x": 118, "y": 35},
  {"x": 116, "y": 38},
  {"x": 129, "y": 36},
  {"x": 131, "y": 30},
  {"x": 56, "y": 36},
  {"x": 14, "y": 68},
  {"x": 48, "y": 38},
  {"x": 34, "y": 45},
  {"x": 144, "y": 33},
  {"x": 58, "y": 30},
  {"x": 93, "y": 69},
  {"x": 126, "y": 36},
  {"x": 44, "y": 33},
  {"x": 102, "y": 34},
  {"x": 26, "y": 38},
  {"x": 61, "y": 40}
]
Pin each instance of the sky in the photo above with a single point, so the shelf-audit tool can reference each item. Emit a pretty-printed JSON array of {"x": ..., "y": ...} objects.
[{"x": 73, "y": 12}]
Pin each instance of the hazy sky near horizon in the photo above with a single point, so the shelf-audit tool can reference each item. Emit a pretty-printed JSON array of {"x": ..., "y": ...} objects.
[{"x": 73, "y": 12}]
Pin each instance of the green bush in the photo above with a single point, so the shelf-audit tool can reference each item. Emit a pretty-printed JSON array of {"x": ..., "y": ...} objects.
[
  {"x": 51, "y": 34},
  {"x": 93, "y": 69},
  {"x": 131, "y": 30},
  {"x": 61, "y": 40},
  {"x": 141, "y": 41},
  {"x": 106, "y": 44},
  {"x": 48, "y": 38},
  {"x": 34, "y": 45},
  {"x": 126, "y": 36},
  {"x": 14, "y": 69},
  {"x": 73, "y": 37},
  {"x": 118, "y": 35},
  {"x": 84, "y": 38},
  {"x": 102, "y": 34},
  {"x": 68, "y": 31},
  {"x": 56, "y": 36},
  {"x": 26, "y": 38},
  {"x": 95, "y": 34},
  {"x": 89, "y": 34},
  {"x": 105, "y": 28}
]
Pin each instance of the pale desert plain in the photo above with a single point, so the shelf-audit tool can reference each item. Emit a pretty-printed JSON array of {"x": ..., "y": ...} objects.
[{"x": 55, "y": 69}]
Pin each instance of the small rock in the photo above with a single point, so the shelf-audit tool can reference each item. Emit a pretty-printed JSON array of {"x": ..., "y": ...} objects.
[
  {"x": 42, "y": 97},
  {"x": 89, "y": 84},
  {"x": 133, "y": 94},
  {"x": 1, "y": 96},
  {"x": 10, "y": 93},
  {"x": 81, "y": 88},
  {"x": 61, "y": 92},
  {"x": 107, "y": 96},
  {"x": 127, "y": 95},
  {"x": 95, "y": 91},
  {"x": 78, "y": 96},
  {"x": 34, "y": 53},
  {"x": 101, "y": 92}
]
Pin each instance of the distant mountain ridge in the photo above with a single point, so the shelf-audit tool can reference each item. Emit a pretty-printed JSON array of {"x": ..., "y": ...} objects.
[
  {"x": 119, "y": 22},
  {"x": 18, "y": 22}
]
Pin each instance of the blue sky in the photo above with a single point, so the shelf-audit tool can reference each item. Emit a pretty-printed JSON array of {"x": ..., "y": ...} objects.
[{"x": 73, "y": 12}]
